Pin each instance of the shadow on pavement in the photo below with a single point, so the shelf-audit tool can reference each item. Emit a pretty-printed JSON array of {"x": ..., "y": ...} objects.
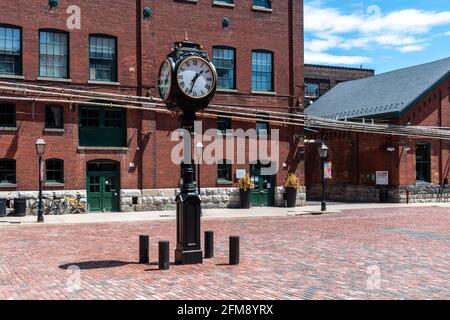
[{"x": 89, "y": 265}]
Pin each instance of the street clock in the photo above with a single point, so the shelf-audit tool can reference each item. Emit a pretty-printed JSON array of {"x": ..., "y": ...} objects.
[{"x": 187, "y": 79}]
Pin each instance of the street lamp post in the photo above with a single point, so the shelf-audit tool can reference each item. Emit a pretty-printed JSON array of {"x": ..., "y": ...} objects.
[
  {"x": 323, "y": 152},
  {"x": 40, "y": 149},
  {"x": 199, "y": 152}
]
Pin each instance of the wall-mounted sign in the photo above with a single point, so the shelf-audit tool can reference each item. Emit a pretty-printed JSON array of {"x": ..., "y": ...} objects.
[
  {"x": 382, "y": 178},
  {"x": 240, "y": 173},
  {"x": 328, "y": 169}
]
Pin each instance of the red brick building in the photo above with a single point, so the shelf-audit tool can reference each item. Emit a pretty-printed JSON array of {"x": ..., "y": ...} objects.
[
  {"x": 319, "y": 79},
  {"x": 418, "y": 168},
  {"x": 120, "y": 158}
]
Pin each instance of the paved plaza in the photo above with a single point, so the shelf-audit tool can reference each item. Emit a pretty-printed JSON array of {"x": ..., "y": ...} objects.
[{"x": 378, "y": 253}]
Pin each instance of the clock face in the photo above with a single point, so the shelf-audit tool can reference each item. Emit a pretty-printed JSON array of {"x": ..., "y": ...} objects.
[
  {"x": 165, "y": 79},
  {"x": 196, "y": 77}
]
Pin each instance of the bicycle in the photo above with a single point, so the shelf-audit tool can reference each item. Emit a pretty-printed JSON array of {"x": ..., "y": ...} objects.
[
  {"x": 74, "y": 205},
  {"x": 34, "y": 206},
  {"x": 50, "y": 205}
]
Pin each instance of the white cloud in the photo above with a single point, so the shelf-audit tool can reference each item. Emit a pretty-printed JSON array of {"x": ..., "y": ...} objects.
[
  {"x": 412, "y": 48},
  {"x": 325, "y": 58},
  {"x": 403, "y": 30}
]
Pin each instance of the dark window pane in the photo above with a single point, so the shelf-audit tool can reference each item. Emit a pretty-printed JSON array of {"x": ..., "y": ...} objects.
[
  {"x": 262, "y": 3},
  {"x": 262, "y": 125},
  {"x": 7, "y": 115},
  {"x": 223, "y": 124},
  {"x": 94, "y": 184},
  {"x": 113, "y": 118},
  {"x": 7, "y": 171},
  {"x": 423, "y": 163},
  {"x": 54, "y": 117},
  {"x": 54, "y": 170},
  {"x": 90, "y": 118},
  {"x": 224, "y": 170}
]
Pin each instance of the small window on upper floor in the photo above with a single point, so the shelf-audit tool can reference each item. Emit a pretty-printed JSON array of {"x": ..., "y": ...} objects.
[
  {"x": 10, "y": 50},
  {"x": 103, "y": 58},
  {"x": 263, "y": 4},
  {"x": 54, "y": 117},
  {"x": 7, "y": 115},
  {"x": 7, "y": 171},
  {"x": 312, "y": 90}
]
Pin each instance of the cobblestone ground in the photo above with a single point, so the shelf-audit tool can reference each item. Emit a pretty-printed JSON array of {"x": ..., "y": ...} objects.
[{"x": 363, "y": 254}]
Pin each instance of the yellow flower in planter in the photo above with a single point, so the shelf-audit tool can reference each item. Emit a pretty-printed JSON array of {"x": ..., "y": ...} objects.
[
  {"x": 292, "y": 181},
  {"x": 246, "y": 183}
]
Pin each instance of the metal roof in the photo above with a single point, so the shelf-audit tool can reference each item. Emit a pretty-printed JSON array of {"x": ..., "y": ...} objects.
[{"x": 390, "y": 93}]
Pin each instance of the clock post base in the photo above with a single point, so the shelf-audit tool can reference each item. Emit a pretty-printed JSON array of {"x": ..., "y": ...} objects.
[{"x": 188, "y": 257}]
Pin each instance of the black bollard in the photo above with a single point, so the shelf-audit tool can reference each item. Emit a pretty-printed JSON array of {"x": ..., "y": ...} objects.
[
  {"x": 143, "y": 249},
  {"x": 209, "y": 244},
  {"x": 234, "y": 250},
  {"x": 164, "y": 262}
]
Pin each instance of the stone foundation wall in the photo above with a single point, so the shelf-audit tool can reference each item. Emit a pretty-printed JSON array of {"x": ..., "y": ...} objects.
[
  {"x": 160, "y": 199},
  {"x": 424, "y": 193},
  {"x": 420, "y": 193},
  {"x": 164, "y": 199}
]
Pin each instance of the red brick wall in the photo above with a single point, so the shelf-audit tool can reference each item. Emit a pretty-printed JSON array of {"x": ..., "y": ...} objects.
[{"x": 280, "y": 31}]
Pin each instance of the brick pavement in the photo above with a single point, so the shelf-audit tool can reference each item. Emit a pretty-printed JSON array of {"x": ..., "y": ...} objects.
[{"x": 306, "y": 257}]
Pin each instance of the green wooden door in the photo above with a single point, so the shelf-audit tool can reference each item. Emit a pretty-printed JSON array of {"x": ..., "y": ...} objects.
[
  {"x": 103, "y": 186},
  {"x": 263, "y": 193}
]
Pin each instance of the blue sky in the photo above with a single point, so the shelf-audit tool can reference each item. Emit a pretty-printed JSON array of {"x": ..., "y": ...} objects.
[{"x": 381, "y": 34}]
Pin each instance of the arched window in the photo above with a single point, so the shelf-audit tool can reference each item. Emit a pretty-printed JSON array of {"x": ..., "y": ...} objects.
[
  {"x": 7, "y": 171},
  {"x": 54, "y": 170}
]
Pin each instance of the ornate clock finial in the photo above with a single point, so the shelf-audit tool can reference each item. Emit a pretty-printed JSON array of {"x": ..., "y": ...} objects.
[{"x": 186, "y": 38}]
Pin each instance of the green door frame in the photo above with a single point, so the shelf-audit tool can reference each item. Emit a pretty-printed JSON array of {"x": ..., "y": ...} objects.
[
  {"x": 261, "y": 195},
  {"x": 103, "y": 187},
  {"x": 102, "y": 131}
]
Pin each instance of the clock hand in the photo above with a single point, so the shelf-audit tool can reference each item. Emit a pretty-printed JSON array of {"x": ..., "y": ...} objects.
[{"x": 195, "y": 79}]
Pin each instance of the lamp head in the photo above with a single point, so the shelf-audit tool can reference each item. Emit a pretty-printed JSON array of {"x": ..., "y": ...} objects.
[
  {"x": 323, "y": 151},
  {"x": 199, "y": 148},
  {"x": 40, "y": 146}
]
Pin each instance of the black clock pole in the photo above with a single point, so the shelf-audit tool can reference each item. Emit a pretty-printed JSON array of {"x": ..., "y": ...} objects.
[
  {"x": 181, "y": 98},
  {"x": 188, "y": 249}
]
